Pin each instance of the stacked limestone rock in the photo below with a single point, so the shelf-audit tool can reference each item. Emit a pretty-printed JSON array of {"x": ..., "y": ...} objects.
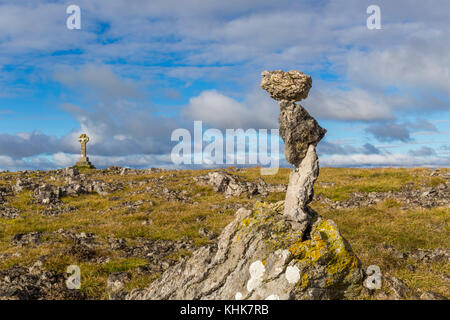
[
  {"x": 300, "y": 133},
  {"x": 276, "y": 251}
]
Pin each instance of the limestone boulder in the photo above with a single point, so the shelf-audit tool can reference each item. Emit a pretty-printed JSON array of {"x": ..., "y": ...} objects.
[{"x": 259, "y": 256}]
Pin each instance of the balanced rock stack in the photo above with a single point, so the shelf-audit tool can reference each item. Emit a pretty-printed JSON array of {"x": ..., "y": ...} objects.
[
  {"x": 300, "y": 133},
  {"x": 282, "y": 250}
]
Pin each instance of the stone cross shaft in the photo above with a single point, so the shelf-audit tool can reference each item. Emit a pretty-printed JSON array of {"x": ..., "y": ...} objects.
[{"x": 83, "y": 139}]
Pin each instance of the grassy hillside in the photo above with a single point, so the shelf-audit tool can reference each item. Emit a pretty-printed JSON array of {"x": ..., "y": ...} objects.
[{"x": 169, "y": 207}]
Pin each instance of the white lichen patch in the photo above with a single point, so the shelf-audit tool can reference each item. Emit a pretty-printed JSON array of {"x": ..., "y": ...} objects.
[
  {"x": 273, "y": 297},
  {"x": 238, "y": 296},
  {"x": 292, "y": 274},
  {"x": 257, "y": 270}
]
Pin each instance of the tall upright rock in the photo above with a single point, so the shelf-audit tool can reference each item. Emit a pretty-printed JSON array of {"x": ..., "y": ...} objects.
[{"x": 282, "y": 250}]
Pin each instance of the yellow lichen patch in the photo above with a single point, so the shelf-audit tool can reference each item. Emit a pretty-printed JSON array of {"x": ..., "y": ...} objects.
[
  {"x": 326, "y": 243},
  {"x": 260, "y": 205},
  {"x": 308, "y": 251},
  {"x": 246, "y": 221},
  {"x": 329, "y": 282},
  {"x": 341, "y": 257},
  {"x": 304, "y": 281}
]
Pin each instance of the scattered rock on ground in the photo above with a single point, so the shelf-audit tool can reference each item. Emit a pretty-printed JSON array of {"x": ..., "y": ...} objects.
[
  {"x": 35, "y": 283},
  {"x": 232, "y": 186}
]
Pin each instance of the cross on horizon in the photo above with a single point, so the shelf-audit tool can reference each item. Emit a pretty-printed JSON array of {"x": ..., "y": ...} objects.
[{"x": 83, "y": 139}]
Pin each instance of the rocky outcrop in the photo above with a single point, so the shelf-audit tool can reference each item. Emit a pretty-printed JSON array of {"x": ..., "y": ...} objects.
[
  {"x": 419, "y": 255},
  {"x": 50, "y": 195},
  {"x": 259, "y": 256},
  {"x": 115, "y": 285},
  {"x": 6, "y": 211},
  {"x": 231, "y": 185},
  {"x": 9, "y": 212}
]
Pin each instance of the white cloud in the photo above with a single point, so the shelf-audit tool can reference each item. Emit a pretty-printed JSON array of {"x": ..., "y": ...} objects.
[
  {"x": 98, "y": 80},
  {"x": 216, "y": 109},
  {"x": 354, "y": 104},
  {"x": 64, "y": 160},
  {"x": 403, "y": 66}
]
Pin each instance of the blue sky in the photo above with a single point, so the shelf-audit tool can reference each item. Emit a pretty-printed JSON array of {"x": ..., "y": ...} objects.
[{"x": 137, "y": 70}]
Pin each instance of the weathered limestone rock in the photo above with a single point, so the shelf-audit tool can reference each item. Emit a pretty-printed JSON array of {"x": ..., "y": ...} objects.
[
  {"x": 71, "y": 172},
  {"x": 259, "y": 256},
  {"x": 116, "y": 285},
  {"x": 231, "y": 186},
  {"x": 300, "y": 190},
  {"x": 298, "y": 130},
  {"x": 292, "y": 85}
]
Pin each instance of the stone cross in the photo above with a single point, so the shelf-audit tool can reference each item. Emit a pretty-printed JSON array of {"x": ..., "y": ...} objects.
[{"x": 83, "y": 139}]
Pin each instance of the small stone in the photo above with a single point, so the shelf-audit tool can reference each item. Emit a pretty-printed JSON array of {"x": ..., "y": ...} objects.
[{"x": 205, "y": 233}]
